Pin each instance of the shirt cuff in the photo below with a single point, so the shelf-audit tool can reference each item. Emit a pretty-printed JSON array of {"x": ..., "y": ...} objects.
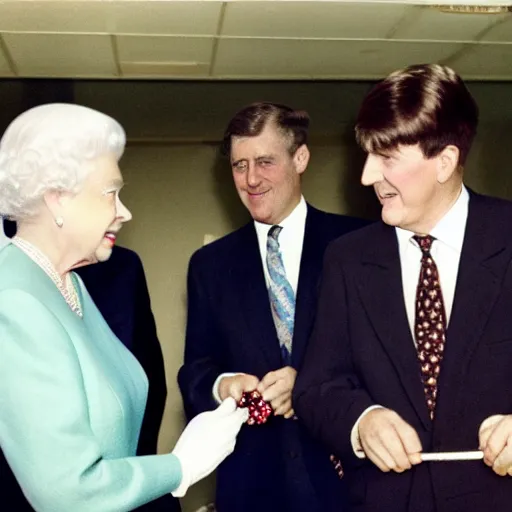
[
  {"x": 215, "y": 389},
  {"x": 354, "y": 434}
]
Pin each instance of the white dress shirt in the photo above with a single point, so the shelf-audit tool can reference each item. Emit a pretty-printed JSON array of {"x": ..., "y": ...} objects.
[
  {"x": 290, "y": 240},
  {"x": 446, "y": 250}
]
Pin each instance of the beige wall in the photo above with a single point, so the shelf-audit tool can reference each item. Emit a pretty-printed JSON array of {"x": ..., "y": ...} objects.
[
  {"x": 179, "y": 189},
  {"x": 179, "y": 193}
]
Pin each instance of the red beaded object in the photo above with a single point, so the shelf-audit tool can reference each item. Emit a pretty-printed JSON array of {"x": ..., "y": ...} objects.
[{"x": 259, "y": 410}]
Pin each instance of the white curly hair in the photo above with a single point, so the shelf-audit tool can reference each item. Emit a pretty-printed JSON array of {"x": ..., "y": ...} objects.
[{"x": 46, "y": 147}]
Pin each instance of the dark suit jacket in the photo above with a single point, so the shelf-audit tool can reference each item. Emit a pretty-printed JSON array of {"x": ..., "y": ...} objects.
[
  {"x": 119, "y": 289},
  {"x": 362, "y": 353},
  {"x": 230, "y": 329}
]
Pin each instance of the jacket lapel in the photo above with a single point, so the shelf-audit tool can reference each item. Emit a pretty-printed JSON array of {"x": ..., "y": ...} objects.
[
  {"x": 381, "y": 291},
  {"x": 484, "y": 260},
  {"x": 307, "y": 290},
  {"x": 249, "y": 280}
]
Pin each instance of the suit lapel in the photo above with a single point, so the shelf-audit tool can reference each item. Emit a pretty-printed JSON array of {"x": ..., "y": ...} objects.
[
  {"x": 381, "y": 291},
  {"x": 313, "y": 250},
  {"x": 249, "y": 281},
  {"x": 484, "y": 260}
]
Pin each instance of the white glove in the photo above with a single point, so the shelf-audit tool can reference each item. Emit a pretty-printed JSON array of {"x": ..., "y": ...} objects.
[{"x": 206, "y": 441}]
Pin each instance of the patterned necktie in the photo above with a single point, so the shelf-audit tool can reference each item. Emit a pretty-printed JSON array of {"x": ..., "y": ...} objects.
[
  {"x": 430, "y": 322},
  {"x": 282, "y": 298}
]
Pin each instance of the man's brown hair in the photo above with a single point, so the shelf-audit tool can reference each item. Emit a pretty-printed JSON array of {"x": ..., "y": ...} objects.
[
  {"x": 425, "y": 104},
  {"x": 252, "y": 119}
]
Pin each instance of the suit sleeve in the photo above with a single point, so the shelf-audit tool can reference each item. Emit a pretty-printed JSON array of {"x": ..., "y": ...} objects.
[
  {"x": 328, "y": 396},
  {"x": 147, "y": 350},
  {"x": 202, "y": 363},
  {"x": 45, "y": 431}
]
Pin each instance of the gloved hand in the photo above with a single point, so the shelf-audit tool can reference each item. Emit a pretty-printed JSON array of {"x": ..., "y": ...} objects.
[{"x": 206, "y": 441}]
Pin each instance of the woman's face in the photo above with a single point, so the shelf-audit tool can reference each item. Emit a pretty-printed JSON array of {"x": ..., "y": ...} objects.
[{"x": 94, "y": 216}]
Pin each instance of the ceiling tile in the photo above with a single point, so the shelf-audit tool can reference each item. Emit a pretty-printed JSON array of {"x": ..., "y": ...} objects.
[
  {"x": 61, "y": 55},
  {"x": 160, "y": 70},
  {"x": 485, "y": 62},
  {"x": 164, "y": 49},
  {"x": 113, "y": 17},
  {"x": 267, "y": 58},
  {"x": 175, "y": 18},
  {"x": 54, "y": 16},
  {"x": 430, "y": 24},
  {"x": 311, "y": 19}
]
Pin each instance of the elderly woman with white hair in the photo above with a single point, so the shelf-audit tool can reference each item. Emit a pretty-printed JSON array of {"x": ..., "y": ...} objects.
[{"x": 72, "y": 397}]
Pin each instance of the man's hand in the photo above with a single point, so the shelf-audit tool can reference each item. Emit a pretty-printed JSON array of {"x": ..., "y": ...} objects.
[
  {"x": 236, "y": 385},
  {"x": 388, "y": 441},
  {"x": 495, "y": 438},
  {"x": 276, "y": 388}
]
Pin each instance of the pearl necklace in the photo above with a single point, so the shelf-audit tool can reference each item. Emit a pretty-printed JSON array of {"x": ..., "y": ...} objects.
[{"x": 65, "y": 286}]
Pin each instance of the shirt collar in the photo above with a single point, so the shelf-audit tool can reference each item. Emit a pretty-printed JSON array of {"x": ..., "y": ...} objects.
[
  {"x": 294, "y": 222},
  {"x": 450, "y": 229}
]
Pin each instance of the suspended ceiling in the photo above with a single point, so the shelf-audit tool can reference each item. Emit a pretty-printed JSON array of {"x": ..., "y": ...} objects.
[{"x": 249, "y": 40}]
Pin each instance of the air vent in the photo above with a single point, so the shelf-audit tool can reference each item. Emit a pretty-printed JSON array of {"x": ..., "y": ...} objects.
[
  {"x": 165, "y": 69},
  {"x": 474, "y": 9}
]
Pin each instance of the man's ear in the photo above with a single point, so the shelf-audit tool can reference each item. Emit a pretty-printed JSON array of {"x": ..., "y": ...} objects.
[
  {"x": 448, "y": 163},
  {"x": 301, "y": 159}
]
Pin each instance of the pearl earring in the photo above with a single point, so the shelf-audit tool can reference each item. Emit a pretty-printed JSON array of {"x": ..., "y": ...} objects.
[{"x": 59, "y": 221}]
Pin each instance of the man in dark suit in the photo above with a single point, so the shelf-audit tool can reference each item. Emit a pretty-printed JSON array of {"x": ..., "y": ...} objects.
[
  {"x": 118, "y": 287},
  {"x": 236, "y": 338},
  {"x": 411, "y": 350}
]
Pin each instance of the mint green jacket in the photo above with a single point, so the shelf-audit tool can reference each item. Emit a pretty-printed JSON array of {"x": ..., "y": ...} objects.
[{"x": 72, "y": 399}]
